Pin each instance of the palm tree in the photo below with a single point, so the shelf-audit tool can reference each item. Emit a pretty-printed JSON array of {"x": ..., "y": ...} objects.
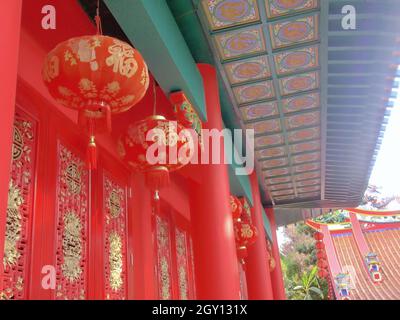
[{"x": 309, "y": 287}]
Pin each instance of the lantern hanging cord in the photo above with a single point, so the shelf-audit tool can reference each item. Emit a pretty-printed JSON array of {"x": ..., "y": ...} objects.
[{"x": 98, "y": 19}]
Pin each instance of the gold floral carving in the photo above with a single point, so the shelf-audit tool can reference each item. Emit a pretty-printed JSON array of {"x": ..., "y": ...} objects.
[
  {"x": 73, "y": 178},
  {"x": 165, "y": 281},
  {"x": 13, "y": 226},
  {"x": 115, "y": 259},
  {"x": 122, "y": 59},
  {"x": 18, "y": 144},
  {"x": 246, "y": 231},
  {"x": 183, "y": 289},
  {"x": 114, "y": 203},
  {"x": 72, "y": 246}
]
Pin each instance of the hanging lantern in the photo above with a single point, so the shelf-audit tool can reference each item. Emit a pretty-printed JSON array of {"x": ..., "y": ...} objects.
[
  {"x": 186, "y": 114},
  {"x": 320, "y": 245},
  {"x": 321, "y": 255},
  {"x": 318, "y": 236},
  {"x": 246, "y": 209},
  {"x": 156, "y": 147},
  {"x": 245, "y": 233},
  {"x": 322, "y": 273},
  {"x": 98, "y": 76},
  {"x": 236, "y": 207},
  {"x": 322, "y": 264}
]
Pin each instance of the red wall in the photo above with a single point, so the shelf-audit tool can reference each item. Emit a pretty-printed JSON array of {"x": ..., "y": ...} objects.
[{"x": 35, "y": 43}]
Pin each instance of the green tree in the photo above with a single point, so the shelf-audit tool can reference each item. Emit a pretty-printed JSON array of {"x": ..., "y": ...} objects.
[{"x": 308, "y": 287}]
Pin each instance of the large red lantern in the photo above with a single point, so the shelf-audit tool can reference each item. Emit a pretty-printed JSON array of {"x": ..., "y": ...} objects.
[
  {"x": 236, "y": 207},
  {"x": 245, "y": 233},
  {"x": 156, "y": 146},
  {"x": 97, "y": 76}
]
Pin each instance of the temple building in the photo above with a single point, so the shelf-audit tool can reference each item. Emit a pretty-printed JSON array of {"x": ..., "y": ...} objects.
[{"x": 84, "y": 213}]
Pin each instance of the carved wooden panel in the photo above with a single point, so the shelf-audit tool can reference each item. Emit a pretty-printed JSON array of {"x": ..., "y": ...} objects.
[
  {"x": 115, "y": 212},
  {"x": 182, "y": 264},
  {"x": 72, "y": 221},
  {"x": 20, "y": 207},
  {"x": 163, "y": 259},
  {"x": 193, "y": 279}
]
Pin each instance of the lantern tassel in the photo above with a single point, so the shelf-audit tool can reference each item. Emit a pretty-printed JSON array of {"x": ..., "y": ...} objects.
[
  {"x": 92, "y": 154},
  {"x": 157, "y": 178}
]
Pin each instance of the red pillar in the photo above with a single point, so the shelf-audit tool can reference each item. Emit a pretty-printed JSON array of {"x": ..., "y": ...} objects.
[
  {"x": 276, "y": 276},
  {"x": 216, "y": 268},
  {"x": 258, "y": 276},
  {"x": 140, "y": 225},
  {"x": 10, "y": 21}
]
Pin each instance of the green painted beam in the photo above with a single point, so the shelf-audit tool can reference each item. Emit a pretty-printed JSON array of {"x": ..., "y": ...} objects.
[
  {"x": 267, "y": 225},
  {"x": 239, "y": 184},
  {"x": 152, "y": 29}
]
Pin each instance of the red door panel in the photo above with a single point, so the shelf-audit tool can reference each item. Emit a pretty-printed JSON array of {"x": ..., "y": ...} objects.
[
  {"x": 115, "y": 238},
  {"x": 20, "y": 207}
]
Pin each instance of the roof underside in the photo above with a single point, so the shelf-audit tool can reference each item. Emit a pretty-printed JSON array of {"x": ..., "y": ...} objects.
[{"x": 315, "y": 94}]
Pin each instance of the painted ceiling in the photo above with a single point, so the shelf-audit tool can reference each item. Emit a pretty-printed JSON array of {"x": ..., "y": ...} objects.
[{"x": 268, "y": 54}]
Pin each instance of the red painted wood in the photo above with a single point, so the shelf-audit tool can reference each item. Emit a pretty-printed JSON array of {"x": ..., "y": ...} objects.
[
  {"x": 333, "y": 262},
  {"x": 358, "y": 235},
  {"x": 10, "y": 16},
  {"x": 258, "y": 276},
  {"x": 217, "y": 275},
  {"x": 143, "y": 241},
  {"x": 278, "y": 286}
]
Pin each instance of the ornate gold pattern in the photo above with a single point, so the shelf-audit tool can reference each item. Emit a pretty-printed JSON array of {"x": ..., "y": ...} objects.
[
  {"x": 115, "y": 259},
  {"x": 72, "y": 246},
  {"x": 183, "y": 287},
  {"x": 122, "y": 59},
  {"x": 114, "y": 203},
  {"x": 18, "y": 144},
  {"x": 165, "y": 281},
  {"x": 73, "y": 178},
  {"x": 13, "y": 226}
]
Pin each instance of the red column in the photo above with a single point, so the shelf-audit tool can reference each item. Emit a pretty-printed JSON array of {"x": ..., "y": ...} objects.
[
  {"x": 258, "y": 276},
  {"x": 10, "y": 20},
  {"x": 216, "y": 268},
  {"x": 276, "y": 276},
  {"x": 141, "y": 230}
]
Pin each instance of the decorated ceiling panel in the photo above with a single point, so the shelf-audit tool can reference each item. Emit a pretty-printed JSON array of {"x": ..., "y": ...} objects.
[{"x": 268, "y": 53}]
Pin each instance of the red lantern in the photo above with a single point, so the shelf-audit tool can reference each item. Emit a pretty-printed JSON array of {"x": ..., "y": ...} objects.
[
  {"x": 236, "y": 207},
  {"x": 156, "y": 146},
  {"x": 318, "y": 236},
  {"x": 320, "y": 245},
  {"x": 246, "y": 209},
  {"x": 245, "y": 233},
  {"x": 321, "y": 255},
  {"x": 98, "y": 76},
  {"x": 322, "y": 273},
  {"x": 322, "y": 264}
]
